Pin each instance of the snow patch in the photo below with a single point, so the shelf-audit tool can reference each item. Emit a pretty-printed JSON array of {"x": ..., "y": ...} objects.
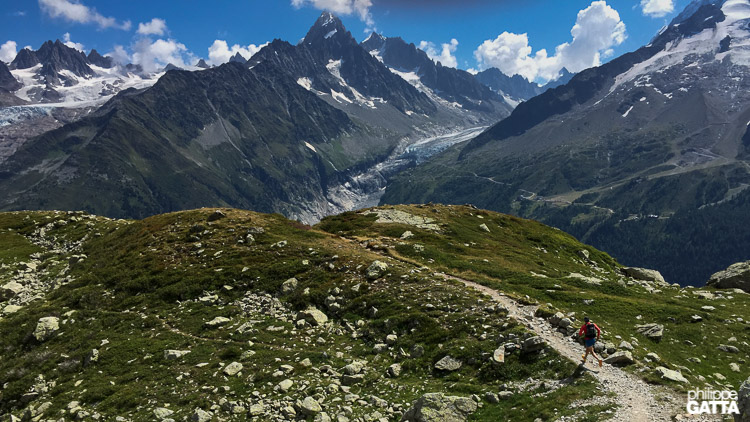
[
  {"x": 307, "y": 144},
  {"x": 330, "y": 34},
  {"x": 305, "y": 83},
  {"x": 340, "y": 97},
  {"x": 628, "y": 112}
]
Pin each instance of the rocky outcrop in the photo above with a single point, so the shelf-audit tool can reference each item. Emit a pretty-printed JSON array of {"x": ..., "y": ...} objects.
[
  {"x": 737, "y": 276},
  {"x": 46, "y": 328},
  {"x": 437, "y": 407},
  {"x": 448, "y": 363},
  {"x": 643, "y": 274},
  {"x": 653, "y": 331}
]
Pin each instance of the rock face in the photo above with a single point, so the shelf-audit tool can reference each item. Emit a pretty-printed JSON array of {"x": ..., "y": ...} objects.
[
  {"x": 437, "y": 407},
  {"x": 737, "y": 276},
  {"x": 46, "y": 328},
  {"x": 643, "y": 274},
  {"x": 448, "y": 363},
  {"x": 653, "y": 331},
  {"x": 743, "y": 403},
  {"x": 670, "y": 375}
]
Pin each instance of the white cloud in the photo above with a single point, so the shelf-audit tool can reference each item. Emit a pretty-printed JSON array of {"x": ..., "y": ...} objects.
[
  {"x": 445, "y": 56},
  {"x": 119, "y": 55},
  {"x": 66, "y": 40},
  {"x": 220, "y": 53},
  {"x": 8, "y": 51},
  {"x": 155, "y": 27},
  {"x": 154, "y": 55},
  {"x": 657, "y": 8},
  {"x": 598, "y": 28},
  {"x": 472, "y": 71},
  {"x": 74, "y": 11},
  {"x": 343, "y": 7}
]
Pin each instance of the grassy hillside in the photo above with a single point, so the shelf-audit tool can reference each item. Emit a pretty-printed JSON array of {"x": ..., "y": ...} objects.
[{"x": 132, "y": 290}]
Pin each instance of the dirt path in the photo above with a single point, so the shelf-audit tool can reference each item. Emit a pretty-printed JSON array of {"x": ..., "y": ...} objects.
[{"x": 637, "y": 400}]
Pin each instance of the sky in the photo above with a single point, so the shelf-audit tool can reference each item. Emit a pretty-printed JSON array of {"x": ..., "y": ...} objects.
[{"x": 533, "y": 38}]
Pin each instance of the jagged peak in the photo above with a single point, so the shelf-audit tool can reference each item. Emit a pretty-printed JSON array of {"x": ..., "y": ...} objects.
[{"x": 327, "y": 26}]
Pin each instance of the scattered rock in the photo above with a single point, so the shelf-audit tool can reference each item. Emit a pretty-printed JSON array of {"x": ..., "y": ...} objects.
[
  {"x": 175, "y": 354},
  {"x": 310, "y": 406},
  {"x": 313, "y": 316},
  {"x": 737, "y": 276},
  {"x": 407, "y": 235},
  {"x": 391, "y": 339},
  {"x": 285, "y": 385},
  {"x": 653, "y": 331},
  {"x": 289, "y": 286},
  {"x": 533, "y": 344},
  {"x": 46, "y": 328},
  {"x": 200, "y": 415},
  {"x": 162, "y": 413},
  {"x": 621, "y": 358},
  {"x": 394, "y": 371},
  {"x": 734, "y": 367},
  {"x": 643, "y": 274},
  {"x": 218, "y": 322},
  {"x": 653, "y": 356},
  {"x": 437, "y": 407},
  {"x": 216, "y": 215},
  {"x": 232, "y": 369},
  {"x": 10, "y": 290},
  {"x": 484, "y": 227},
  {"x": 448, "y": 364},
  {"x": 728, "y": 349},
  {"x": 376, "y": 270},
  {"x": 671, "y": 375},
  {"x": 417, "y": 351},
  {"x": 696, "y": 318},
  {"x": 499, "y": 355}
]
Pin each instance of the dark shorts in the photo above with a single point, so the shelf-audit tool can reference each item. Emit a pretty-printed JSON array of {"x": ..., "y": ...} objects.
[{"x": 590, "y": 342}]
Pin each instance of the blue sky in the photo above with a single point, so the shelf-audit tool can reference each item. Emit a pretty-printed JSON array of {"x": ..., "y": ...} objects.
[{"x": 186, "y": 29}]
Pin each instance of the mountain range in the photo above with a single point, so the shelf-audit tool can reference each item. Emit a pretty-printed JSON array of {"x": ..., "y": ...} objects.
[{"x": 634, "y": 156}]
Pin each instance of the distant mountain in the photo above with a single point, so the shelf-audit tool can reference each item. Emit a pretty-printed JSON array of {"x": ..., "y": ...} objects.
[
  {"x": 98, "y": 60},
  {"x": 439, "y": 82},
  {"x": 237, "y": 58},
  {"x": 564, "y": 78},
  {"x": 516, "y": 86},
  {"x": 202, "y": 64},
  {"x": 7, "y": 81},
  {"x": 24, "y": 59},
  {"x": 641, "y": 156}
]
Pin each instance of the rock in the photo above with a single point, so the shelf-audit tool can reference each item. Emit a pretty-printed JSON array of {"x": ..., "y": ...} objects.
[
  {"x": 391, "y": 339},
  {"x": 484, "y": 227},
  {"x": 626, "y": 345},
  {"x": 417, "y": 351},
  {"x": 734, "y": 367},
  {"x": 216, "y": 215},
  {"x": 621, "y": 358},
  {"x": 162, "y": 413},
  {"x": 653, "y": 356},
  {"x": 376, "y": 270},
  {"x": 175, "y": 354},
  {"x": 352, "y": 379},
  {"x": 232, "y": 369},
  {"x": 743, "y": 402},
  {"x": 310, "y": 406},
  {"x": 671, "y": 375},
  {"x": 322, "y": 417},
  {"x": 643, "y": 274},
  {"x": 737, "y": 276},
  {"x": 289, "y": 286},
  {"x": 565, "y": 323},
  {"x": 10, "y": 290},
  {"x": 533, "y": 344},
  {"x": 653, "y": 331},
  {"x": 46, "y": 328},
  {"x": 728, "y": 349},
  {"x": 407, "y": 235},
  {"x": 285, "y": 385},
  {"x": 354, "y": 368},
  {"x": 504, "y": 395},
  {"x": 217, "y": 322},
  {"x": 437, "y": 407},
  {"x": 708, "y": 308},
  {"x": 92, "y": 357},
  {"x": 11, "y": 309},
  {"x": 313, "y": 316},
  {"x": 491, "y": 397},
  {"x": 696, "y": 318},
  {"x": 394, "y": 371},
  {"x": 584, "y": 254},
  {"x": 200, "y": 415},
  {"x": 380, "y": 348},
  {"x": 499, "y": 355},
  {"x": 556, "y": 318},
  {"x": 448, "y": 364},
  {"x": 610, "y": 347},
  {"x": 257, "y": 409}
]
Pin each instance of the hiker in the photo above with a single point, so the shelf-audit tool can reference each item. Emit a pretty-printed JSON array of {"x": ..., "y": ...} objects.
[{"x": 591, "y": 333}]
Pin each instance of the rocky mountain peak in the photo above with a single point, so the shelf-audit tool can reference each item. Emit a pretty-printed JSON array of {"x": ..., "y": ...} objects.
[
  {"x": 374, "y": 42},
  {"x": 58, "y": 56},
  {"x": 237, "y": 58},
  {"x": 328, "y": 27},
  {"x": 98, "y": 60},
  {"x": 24, "y": 60}
]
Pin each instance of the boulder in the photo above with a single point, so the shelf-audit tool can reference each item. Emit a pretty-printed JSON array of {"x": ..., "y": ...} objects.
[
  {"x": 448, "y": 364},
  {"x": 232, "y": 369},
  {"x": 728, "y": 349},
  {"x": 394, "y": 371},
  {"x": 643, "y": 274},
  {"x": 437, "y": 407},
  {"x": 200, "y": 415},
  {"x": 533, "y": 344},
  {"x": 354, "y": 368},
  {"x": 175, "y": 354},
  {"x": 407, "y": 235},
  {"x": 556, "y": 318},
  {"x": 313, "y": 316},
  {"x": 289, "y": 286},
  {"x": 216, "y": 215},
  {"x": 9, "y": 290},
  {"x": 737, "y": 276},
  {"x": 499, "y": 355},
  {"x": 376, "y": 270},
  {"x": 671, "y": 375},
  {"x": 621, "y": 358},
  {"x": 285, "y": 385},
  {"x": 46, "y": 328},
  {"x": 162, "y": 413},
  {"x": 310, "y": 406},
  {"x": 565, "y": 323},
  {"x": 484, "y": 228},
  {"x": 218, "y": 322},
  {"x": 743, "y": 402},
  {"x": 653, "y": 331}
]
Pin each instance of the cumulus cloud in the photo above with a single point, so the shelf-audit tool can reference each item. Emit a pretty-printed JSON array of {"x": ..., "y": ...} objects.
[
  {"x": 8, "y": 51},
  {"x": 598, "y": 28},
  {"x": 657, "y": 8},
  {"x": 155, "y": 27},
  {"x": 66, "y": 40},
  {"x": 154, "y": 55},
  {"x": 343, "y": 7},
  {"x": 74, "y": 11},
  {"x": 220, "y": 52},
  {"x": 119, "y": 55},
  {"x": 445, "y": 55}
]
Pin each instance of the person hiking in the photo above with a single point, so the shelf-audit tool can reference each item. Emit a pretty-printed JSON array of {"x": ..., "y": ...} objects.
[{"x": 591, "y": 333}]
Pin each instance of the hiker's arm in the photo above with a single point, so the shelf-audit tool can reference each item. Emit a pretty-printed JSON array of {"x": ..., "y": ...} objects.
[
  {"x": 598, "y": 332},
  {"x": 580, "y": 332}
]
